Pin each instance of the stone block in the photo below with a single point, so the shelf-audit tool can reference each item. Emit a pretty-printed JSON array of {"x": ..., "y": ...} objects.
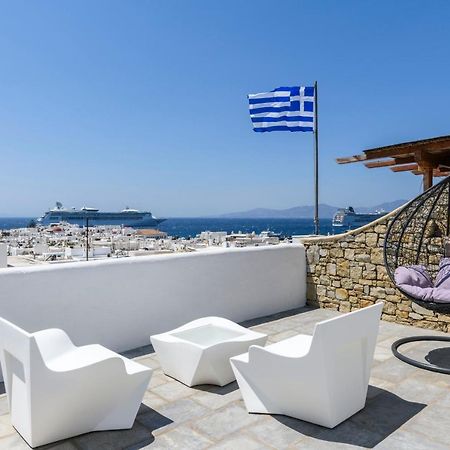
[
  {"x": 343, "y": 268},
  {"x": 403, "y": 307},
  {"x": 362, "y": 257},
  {"x": 444, "y": 318},
  {"x": 349, "y": 254},
  {"x": 330, "y": 306},
  {"x": 427, "y": 324},
  {"x": 371, "y": 239},
  {"x": 347, "y": 283},
  {"x": 312, "y": 254},
  {"x": 388, "y": 318},
  {"x": 394, "y": 298},
  {"x": 376, "y": 256},
  {"x": 380, "y": 229},
  {"x": 402, "y": 314},
  {"x": 363, "y": 303},
  {"x": 420, "y": 310},
  {"x": 390, "y": 308},
  {"x": 355, "y": 273},
  {"x": 415, "y": 316},
  {"x": 378, "y": 292},
  {"x": 341, "y": 294},
  {"x": 336, "y": 252},
  {"x": 331, "y": 269},
  {"x": 369, "y": 275},
  {"x": 382, "y": 274}
]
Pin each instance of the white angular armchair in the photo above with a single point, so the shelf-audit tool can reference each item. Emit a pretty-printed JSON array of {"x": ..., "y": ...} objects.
[
  {"x": 57, "y": 390},
  {"x": 321, "y": 379}
]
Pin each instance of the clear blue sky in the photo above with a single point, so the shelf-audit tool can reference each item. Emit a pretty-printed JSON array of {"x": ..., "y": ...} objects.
[{"x": 143, "y": 103}]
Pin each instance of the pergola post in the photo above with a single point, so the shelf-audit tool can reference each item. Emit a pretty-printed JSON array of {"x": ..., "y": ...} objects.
[{"x": 427, "y": 178}]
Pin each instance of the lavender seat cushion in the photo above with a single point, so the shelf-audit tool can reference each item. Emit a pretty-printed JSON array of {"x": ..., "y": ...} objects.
[
  {"x": 443, "y": 277},
  {"x": 441, "y": 295},
  {"x": 416, "y": 282},
  {"x": 416, "y": 276}
]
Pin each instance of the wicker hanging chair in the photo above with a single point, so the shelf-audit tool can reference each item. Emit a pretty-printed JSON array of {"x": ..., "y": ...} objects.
[{"x": 418, "y": 235}]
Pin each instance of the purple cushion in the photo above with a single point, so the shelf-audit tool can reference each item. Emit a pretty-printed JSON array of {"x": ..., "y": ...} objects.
[
  {"x": 421, "y": 293},
  {"x": 443, "y": 276},
  {"x": 441, "y": 295},
  {"x": 415, "y": 281},
  {"x": 416, "y": 276}
]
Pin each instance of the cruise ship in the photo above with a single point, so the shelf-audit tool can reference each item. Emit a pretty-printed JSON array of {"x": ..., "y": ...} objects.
[
  {"x": 127, "y": 217},
  {"x": 347, "y": 218}
]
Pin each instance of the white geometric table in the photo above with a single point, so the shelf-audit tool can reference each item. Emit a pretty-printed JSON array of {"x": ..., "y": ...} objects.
[{"x": 200, "y": 351}]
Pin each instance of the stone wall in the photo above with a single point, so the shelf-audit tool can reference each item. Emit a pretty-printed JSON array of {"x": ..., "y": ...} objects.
[{"x": 346, "y": 272}]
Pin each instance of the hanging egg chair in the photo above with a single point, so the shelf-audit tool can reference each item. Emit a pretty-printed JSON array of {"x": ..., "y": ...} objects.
[{"x": 417, "y": 261}]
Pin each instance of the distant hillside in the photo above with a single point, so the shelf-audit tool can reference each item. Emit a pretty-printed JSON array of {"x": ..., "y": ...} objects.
[{"x": 306, "y": 212}]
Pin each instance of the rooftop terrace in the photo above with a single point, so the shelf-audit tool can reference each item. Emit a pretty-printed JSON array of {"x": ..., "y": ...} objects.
[{"x": 407, "y": 408}]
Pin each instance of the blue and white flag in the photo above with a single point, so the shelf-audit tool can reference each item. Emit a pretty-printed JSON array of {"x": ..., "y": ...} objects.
[{"x": 283, "y": 109}]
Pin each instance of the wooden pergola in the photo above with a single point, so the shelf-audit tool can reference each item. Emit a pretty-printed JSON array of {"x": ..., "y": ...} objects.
[{"x": 428, "y": 157}]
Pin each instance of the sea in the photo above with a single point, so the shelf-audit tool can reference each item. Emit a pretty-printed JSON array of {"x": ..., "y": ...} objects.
[{"x": 190, "y": 227}]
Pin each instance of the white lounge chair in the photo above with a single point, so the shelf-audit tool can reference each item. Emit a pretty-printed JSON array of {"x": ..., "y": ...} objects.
[
  {"x": 200, "y": 351},
  {"x": 322, "y": 378},
  {"x": 57, "y": 390}
]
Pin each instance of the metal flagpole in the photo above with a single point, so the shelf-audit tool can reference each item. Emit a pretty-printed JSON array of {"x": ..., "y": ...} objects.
[
  {"x": 87, "y": 239},
  {"x": 316, "y": 163}
]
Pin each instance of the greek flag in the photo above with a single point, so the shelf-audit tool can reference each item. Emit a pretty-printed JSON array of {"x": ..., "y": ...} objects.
[{"x": 283, "y": 109}]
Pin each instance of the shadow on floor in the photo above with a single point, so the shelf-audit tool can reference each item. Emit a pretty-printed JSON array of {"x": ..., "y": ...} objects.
[
  {"x": 139, "y": 436},
  {"x": 140, "y": 351},
  {"x": 384, "y": 413},
  {"x": 220, "y": 390},
  {"x": 439, "y": 357},
  {"x": 273, "y": 317}
]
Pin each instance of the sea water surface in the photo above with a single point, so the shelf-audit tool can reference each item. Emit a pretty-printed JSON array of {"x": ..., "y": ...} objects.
[{"x": 189, "y": 227}]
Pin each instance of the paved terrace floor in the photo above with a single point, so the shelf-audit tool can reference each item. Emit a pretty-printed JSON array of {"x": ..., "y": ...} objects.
[{"x": 407, "y": 408}]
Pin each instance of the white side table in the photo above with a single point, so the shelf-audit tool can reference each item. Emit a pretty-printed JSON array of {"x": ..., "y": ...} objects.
[{"x": 200, "y": 351}]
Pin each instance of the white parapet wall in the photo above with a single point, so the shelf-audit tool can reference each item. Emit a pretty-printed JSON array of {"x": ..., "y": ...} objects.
[
  {"x": 120, "y": 303},
  {"x": 3, "y": 255}
]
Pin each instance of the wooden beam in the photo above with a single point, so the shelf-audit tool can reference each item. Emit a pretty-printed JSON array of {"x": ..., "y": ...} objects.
[
  {"x": 405, "y": 168},
  {"x": 350, "y": 159},
  {"x": 390, "y": 162},
  {"x": 381, "y": 163},
  {"x": 431, "y": 150},
  {"x": 405, "y": 160},
  {"x": 387, "y": 152},
  {"x": 436, "y": 173},
  {"x": 442, "y": 145}
]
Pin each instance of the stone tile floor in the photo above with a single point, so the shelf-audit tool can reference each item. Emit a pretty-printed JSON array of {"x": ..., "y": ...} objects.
[{"x": 407, "y": 408}]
